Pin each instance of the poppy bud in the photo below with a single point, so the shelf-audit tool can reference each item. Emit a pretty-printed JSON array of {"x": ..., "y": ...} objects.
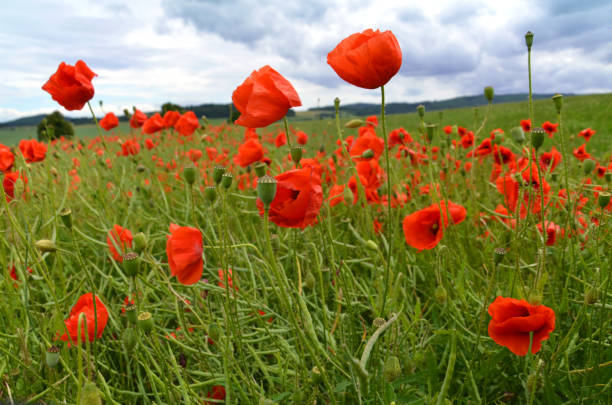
[
  {"x": 488, "y": 93},
  {"x": 316, "y": 376},
  {"x": 130, "y": 264},
  {"x": 518, "y": 134},
  {"x": 217, "y": 174},
  {"x": 266, "y": 189},
  {"x": 370, "y": 244},
  {"x": 440, "y": 294},
  {"x": 189, "y": 174},
  {"x": 130, "y": 314},
  {"x": 608, "y": 176},
  {"x": 392, "y": 368},
  {"x": 18, "y": 187},
  {"x": 54, "y": 172},
  {"x": 356, "y": 123},
  {"x": 588, "y": 165},
  {"x": 90, "y": 395},
  {"x": 537, "y": 137},
  {"x": 558, "y": 100},
  {"x": 145, "y": 322},
  {"x": 603, "y": 200},
  {"x": 226, "y": 181},
  {"x": 296, "y": 153},
  {"x": 45, "y": 245},
  {"x": 421, "y": 110},
  {"x": 367, "y": 154},
  {"x": 66, "y": 217},
  {"x": 210, "y": 193},
  {"x": 430, "y": 128},
  {"x": 591, "y": 296},
  {"x": 529, "y": 39},
  {"x": 336, "y": 103},
  {"x": 535, "y": 298},
  {"x": 260, "y": 169},
  {"x": 554, "y": 176},
  {"x": 129, "y": 339},
  {"x": 140, "y": 242},
  {"x": 141, "y": 168},
  {"x": 499, "y": 254},
  {"x": 52, "y": 356},
  {"x": 214, "y": 332},
  {"x": 309, "y": 281}
]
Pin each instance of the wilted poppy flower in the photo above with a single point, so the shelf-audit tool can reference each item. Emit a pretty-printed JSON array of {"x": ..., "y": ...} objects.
[
  {"x": 85, "y": 305},
  {"x": 184, "y": 249},
  {"x": 368, "y": 59},
  {"x": 71, "y": 85},
  {"x": 109, "y": 121},
  {"x": 264, "y": 98},
  {"x": 587, "y": 134},
  {"x": 424, "y": 229},
  {"x": 138, "y": 119},
  {"x": 550, "y": 128},
  {"x": 249, "y": 152},
  {"x": 170, "y": 118},
  {"x": 552, "y": 230},
  {"x": 32, "y": 150},
  {"x": 6, "y": 158},
  {"x": 187, "y": 123},
  {"x": 9, "y": 183},
  {"x": 153, "y": 124},
  {"x": 514, "y": 320},
  {"x": 298, "y": 198},
  {"x": 119, "y": 240}
]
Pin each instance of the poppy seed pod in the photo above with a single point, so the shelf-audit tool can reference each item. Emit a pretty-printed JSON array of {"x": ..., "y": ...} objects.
[
  {"x": 226, "y": 180},
  {"x": 529, "y": 39},
  {"x": 588, "y": 165},
  {"x": 130, "y": 314},
  {"x": 296, "y": 154},
  {"x": 260, "y": 169},
  {"x": 603, "y": 200},
  {"x": 489, "y": 93},
  {"x": 421, "y": 110},
  {"x": 217, "y": 174},
  {"x": 145, "y": 322},
  {"x": 210, "y": 193},
  {"x": 66, "y": 217},
  {"x": 431, "y": 130},
  {"x": 518, "y": 135},
  {"x": 558, "y": 100},
  {"x": 189, "y": 174},
  {"x": 537, "y": 137},
  {"x": 499, "y": 254},
  {"x": 140, "y": 242},
  {"x": 266, "y": 190},
  {"x": 52, "y": 356},
  {"x": 130, "y": 264}
]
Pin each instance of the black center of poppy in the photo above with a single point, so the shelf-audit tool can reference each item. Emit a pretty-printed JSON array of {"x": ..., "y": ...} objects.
[{"x": 294, "y": 194}]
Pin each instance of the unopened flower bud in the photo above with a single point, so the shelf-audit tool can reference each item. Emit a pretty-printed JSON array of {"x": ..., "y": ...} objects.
[
  {"x": 226, "y": 180},
  {"x": 145, "y": 322},
  {"x": 392, "y": 368},
  {"x": 558, "y": 100},
  {"x": 430, "y": 128},
  {"x": 189, "y": 174},
  {"x": 440, "y": 294},
  {"x": 217, "y": 174},
  {"x": 52, "y": 356},
  {"x": 591, "y": 296},
  {"x": 537, "y": 137},
  {"x": 45, "y": 245},
  {"x": 355, "y": 123},
  {"x": 140, "y": 242},
  {"x": 518, "y": 135},
  {"x": 66, "y": 217},
  {"x": 210, "y": 193},
  {"x": 214, "y": 332},
  {"x": 296, "y": 153},
  {"x": 90, "y": 394},
  {"x": 19, "y": 187},
  {"x": 529, "y": 39},
  {"x": 130, "y": 264},
  {"x": 141, "y": 168},
  {"x": 336, "y": 103},
  {"x": 588, "y": 165},
  {"x": 367, "y": 154},
  {"x": 603, "y": 200},
  {"x": 260, "y": 169},
  {"x": 488, "y": 93},
  {"x": 309, "y": 281},
  {"x": 421, "y": 110},
  {"x": 266, "y": 189},
  {"x": 370, "y": 244},
  {"x": 535, "y": 298},
  {"x": 315, "y": 375},
  {"x": 54, "y": 172}
]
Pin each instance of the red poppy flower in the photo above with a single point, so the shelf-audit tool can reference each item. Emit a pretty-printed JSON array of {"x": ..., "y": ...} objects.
[
  {"x": 399, "y": 137},
  {"x": 587, "y": 134},
  {"x": 467, "y": 140},
  {"x": 550, "y": 160},
  {"x": 298, "y": 199},
  {"x": 371, "y": 176},
  {"x": 85, "y": 305},
  {"x": 550, "y": 128},
  {"x": 129, "y": 147},
  {"x": 170, "y": 118},
  {"x": 216, "y": 392},
  {"x": 153, "y": 124},
  {"x": 109, "y": 121},
  {"x": 514, "y": 320},
  {"x": 211, "y": 153},
  {"x": 503, "y": 155},
  {"x": 121, "y": 239},
  {"x": 526, "y": 125},
  {"x": 368, "y": 59},
  {"x": 149, "y": 144},
  {"x": 367, "y": 140},
  {"x": 302, "y": 137},
  {"x": 581, "y": 154},
  {"x": 187, "y": 123},
  {"x": 138, "y": 119},
  {"x": 280, "y": 140},
  {"x": 263, "y": 98},
  {"x": 71, "y": 85},
  {"x": 9, "y": 183},
  {"x": 552, "y": 230},
  {"x": 32, "y": 150},
  {"x": 230, "y": 280},
  {"x": 372, "y": 121},
  {"x": 336, "y": 195},
  {"x": 194, "y": 155},
  {"x": 6, "y": 158},
  {"x": 184, "y": 249},
  {"x": 249, "y": 152},
  {"x": 448, "y": 129},
  {"x": 424, "y": 229}
]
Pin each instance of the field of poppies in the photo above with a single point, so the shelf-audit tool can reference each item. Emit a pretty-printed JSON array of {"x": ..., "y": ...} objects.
[{"x": 257, "y": 262}]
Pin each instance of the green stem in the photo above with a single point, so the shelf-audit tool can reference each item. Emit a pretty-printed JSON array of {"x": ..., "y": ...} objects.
[
  {"x": 98, "y": 127},
  {"x": 389, "y": 227}
]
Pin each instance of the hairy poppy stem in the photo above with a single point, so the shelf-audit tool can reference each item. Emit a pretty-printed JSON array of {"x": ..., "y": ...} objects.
[
  {"x": 286, "y": 124},
  {"x": 389, "y": 227},
  {"x": 98, "y": 127}
]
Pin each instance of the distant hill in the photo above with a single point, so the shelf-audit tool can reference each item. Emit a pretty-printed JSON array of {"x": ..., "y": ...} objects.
[
  {"x": 363, "y": 109},
  {"x": 360, "y": 109}
]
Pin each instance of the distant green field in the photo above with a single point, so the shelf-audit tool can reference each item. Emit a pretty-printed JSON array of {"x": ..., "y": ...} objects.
[{"x": 579, "y": 112}]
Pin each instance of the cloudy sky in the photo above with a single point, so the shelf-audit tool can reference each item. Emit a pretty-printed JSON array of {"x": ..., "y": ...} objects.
[{"x": 147, "y": 52}]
